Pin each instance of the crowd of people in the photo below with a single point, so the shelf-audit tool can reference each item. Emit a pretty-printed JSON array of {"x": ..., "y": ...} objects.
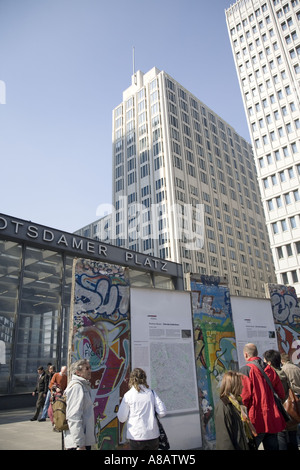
[
  {"x": 247, "y": 415},
  {"x": 139, "y": 406},
  {"x": 50, "y": 385}
]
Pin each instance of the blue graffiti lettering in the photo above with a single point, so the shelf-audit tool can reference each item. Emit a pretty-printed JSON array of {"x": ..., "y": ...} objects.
[
  {"x": 101, "y": 297},
  {"x": 285, "y": 307}
]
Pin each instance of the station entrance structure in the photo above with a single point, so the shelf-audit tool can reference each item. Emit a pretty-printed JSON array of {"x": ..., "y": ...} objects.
[{"x": 36, "y": 276}]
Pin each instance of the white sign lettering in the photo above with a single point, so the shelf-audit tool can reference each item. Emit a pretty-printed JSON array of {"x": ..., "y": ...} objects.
[{"x": 46, "y": 237}]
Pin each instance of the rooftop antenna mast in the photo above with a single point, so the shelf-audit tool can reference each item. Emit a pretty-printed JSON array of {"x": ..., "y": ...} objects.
[{"x": 133, "y": 61}]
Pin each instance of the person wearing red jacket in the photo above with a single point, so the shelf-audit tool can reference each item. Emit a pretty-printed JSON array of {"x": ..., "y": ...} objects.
[
  {"x": 259, "y": 399},
  {"x": 59, "y": 379}
]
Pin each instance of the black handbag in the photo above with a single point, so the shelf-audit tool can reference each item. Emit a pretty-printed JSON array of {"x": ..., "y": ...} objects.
[
  {"x": 163, "y": 438},
  {"x": 278, "y": 402}
]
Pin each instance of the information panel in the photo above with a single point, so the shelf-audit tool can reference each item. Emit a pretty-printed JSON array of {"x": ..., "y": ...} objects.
[{"x": 253, "y": 323}]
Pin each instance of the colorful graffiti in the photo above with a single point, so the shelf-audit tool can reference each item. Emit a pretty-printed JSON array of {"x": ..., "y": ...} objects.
[
  {"x": 101, "y": 335},
  {"x": 286, "y": 313},
  {"x": 215, "y": 344}
]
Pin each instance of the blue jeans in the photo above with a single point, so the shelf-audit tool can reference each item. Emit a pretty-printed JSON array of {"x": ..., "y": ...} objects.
[
  {"x": 46, "y": 406},
  {"x": 269, "y": 441},
  {"x": 288, "y": 440}
]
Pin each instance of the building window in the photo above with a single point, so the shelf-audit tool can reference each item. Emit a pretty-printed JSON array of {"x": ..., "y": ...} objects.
[
  {"x": 285, "y": 151},
  {"x": 284, "y": 226},
  {"x": 294, "y": 148},
  {"x": 282, "y": 176},
  {"x": 275, "y": 228},
  {"x": 277, "y": 155},
  {"x": 265, "y": 183},
  {"x": 40, "y": 313},
  {"x": 287, "y": 198},
  {"x": 279, "y": 252},
  {"x": 289, "y": 249},
  {"x": 296, "y": 195},
  {"x": 293, "y": 222}
]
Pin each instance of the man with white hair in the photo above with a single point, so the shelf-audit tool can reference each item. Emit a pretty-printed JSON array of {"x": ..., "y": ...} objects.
[{"x": 80, "y": 409}]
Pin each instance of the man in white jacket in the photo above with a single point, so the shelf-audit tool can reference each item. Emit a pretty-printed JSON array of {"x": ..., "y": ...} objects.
[{"x": 80, "y": 409}]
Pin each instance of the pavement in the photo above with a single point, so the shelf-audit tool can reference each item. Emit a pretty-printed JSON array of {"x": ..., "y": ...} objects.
[{"x": 17, "y": 432}]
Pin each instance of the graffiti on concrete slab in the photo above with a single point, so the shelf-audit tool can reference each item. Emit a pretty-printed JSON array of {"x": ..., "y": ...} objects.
[
  {"x": 101, "y": 335},
  {"x": 215, "y": 344},
  {"x": 286, "y": 313}
]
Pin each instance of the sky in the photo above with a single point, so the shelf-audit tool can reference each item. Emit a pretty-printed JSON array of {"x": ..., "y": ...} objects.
[{"x": 64, "y": 65}]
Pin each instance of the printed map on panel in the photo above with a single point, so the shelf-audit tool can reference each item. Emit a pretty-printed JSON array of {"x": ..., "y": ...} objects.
[{"x": 166, "y": 357}]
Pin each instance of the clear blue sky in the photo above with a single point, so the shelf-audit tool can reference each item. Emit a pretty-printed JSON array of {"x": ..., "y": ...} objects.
[{"x": 66, "y": 63}]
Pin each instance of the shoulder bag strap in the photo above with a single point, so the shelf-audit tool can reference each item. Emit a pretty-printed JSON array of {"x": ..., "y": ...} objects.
[
  {"x": 264, "y": 375},
  {"x": 154, "y": 404},
  {"x": 277, "y": 399}
]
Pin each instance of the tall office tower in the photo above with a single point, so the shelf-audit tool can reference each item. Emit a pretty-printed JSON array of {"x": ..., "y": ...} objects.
[
  {"x": 185, "y": 186},
  {"x": 265, "y": 39}
]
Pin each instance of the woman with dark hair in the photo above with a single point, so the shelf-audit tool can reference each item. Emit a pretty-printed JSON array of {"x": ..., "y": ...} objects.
[
  {"x": 233, "y": 428},
  {"x": 138, "y": 408},
  {"x": 287, "y": 439},
  {"x": 272, "y": 357}
]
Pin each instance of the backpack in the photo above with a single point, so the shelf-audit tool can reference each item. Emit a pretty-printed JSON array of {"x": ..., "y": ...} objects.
[{"x": 59, "y": 408}]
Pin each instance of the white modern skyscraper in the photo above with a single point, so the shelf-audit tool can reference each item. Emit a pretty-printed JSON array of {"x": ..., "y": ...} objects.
[
  {"x": 265, "y": 38},
  {"x": 185, "y": 186}
]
